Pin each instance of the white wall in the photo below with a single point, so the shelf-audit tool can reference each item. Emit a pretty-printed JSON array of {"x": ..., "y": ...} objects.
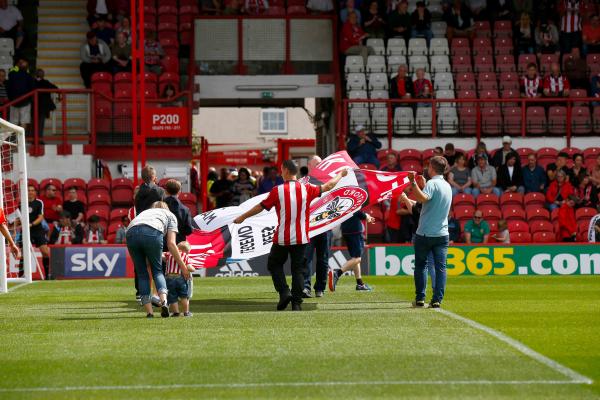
[{"x": 234, "y": 125}]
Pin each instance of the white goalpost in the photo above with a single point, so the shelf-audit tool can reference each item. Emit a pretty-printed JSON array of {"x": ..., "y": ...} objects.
[{"x": 14, "y": 201}]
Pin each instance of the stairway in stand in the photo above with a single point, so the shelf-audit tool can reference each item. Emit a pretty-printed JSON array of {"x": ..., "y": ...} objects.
[{"x": 62, "y": 27}]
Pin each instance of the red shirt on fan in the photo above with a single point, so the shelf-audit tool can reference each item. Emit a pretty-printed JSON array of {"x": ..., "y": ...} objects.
[
  {"x": 292, "y": 204},
  {"x": 50, "y": 214},
  {"x": 351, "y": 36},
  {"x": 566, "y": 221},
  {"x": 556, "y": 84}
]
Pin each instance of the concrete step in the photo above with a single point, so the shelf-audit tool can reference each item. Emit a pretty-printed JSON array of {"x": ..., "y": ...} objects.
[
  {"x": 70, "y": 62},
  {"x": 50, "y": 54},
  {"x": 57, "y": 18},
  {"x": 63, "y": 3},
  {"x": 49, "y": 28},
  {"x": 65, "y": 10},
  {"x": 59, "y": 37}
]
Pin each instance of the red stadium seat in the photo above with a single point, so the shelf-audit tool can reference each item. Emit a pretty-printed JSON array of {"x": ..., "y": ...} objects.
[
  {"x": 96, "y": 198},
  {"x": 51, "y": 181},
  {"x": 186, "y": 33},
  {"x": 410, "y": 165},
  {"x": 427, "y": 154},
  {"x": 520, "y": 237},
  {"x": 517, "y": 226},
  {"x": 170, "y": 64},
  {"x": 463, "y": 199},
  {"x": 584, "y": 214},
  {"x": 503, "y": 29},
  {"x": 486, "y": 80},
  {"x": 123, "y": 90},
  {"x": 487, "y": 199},
  {"x": 382, "y": 154},
  {"x": 491, "y": 213},
  {"x": 511, "y": 199},
  {"x": 536, "y": 213},
  {"x": 122, "y": 116},
  {"x": 554, "y": 215},
  {"x": 466, "y": 85},
  {"x": 541, "y": 226},
  {"x": 509, "y": 79},
  {"x": 503, "y": 45},
  {"x": 578, "y": 93},
  {"x": 536, "y": 120},
  {"x": 76, "y": 182},
  {"x": 34, "y": 183},
  {"x": 165, "y": 9},
  {"x": 544, "y": 237},
  {"x": 546, "y": 60},
  {"x": 98, "y": 184},
  {"x": 482, "y": 46},
  {"x": 103, "y": 114},
  {"x": 167, "y": 18},
  {"x": 493, "y": 225},
  {"x": 483, "y": 63},
  {"x": 491, "y": 121},
  {"x": 113, "y": 227},
  {"x": 464, "y": 213},
  {"x": 524, "y": 61},
  {"x": 101, "y": 211},
  {"x": 409, "y": 154},
  {"x": 190, "y": 201},
  {"x": 591, "y": 154},
  {"x": 468, "y": 120},
  {"x": 367, "y": 166},
  {"x": 581, "y": 121},
  {"x": 102, "y": 82},
  {"x": 512, "y": 120},
  {"x": 513, "y": 213},
  {"x": 557, "y": 120},
  {"x": 168, "y": 78},
  {"x": 189, "y": 9},
  {"x": 117, "y": 213},
  {"x": 122, "y": 192},
  {"x": 524, "y": 152}
]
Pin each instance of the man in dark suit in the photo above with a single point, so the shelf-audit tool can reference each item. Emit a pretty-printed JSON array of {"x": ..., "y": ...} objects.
[{"x": 149, "y": 192}]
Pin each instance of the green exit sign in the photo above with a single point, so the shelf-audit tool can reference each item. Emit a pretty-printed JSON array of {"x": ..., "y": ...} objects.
[{"x": 267, "y": 95}]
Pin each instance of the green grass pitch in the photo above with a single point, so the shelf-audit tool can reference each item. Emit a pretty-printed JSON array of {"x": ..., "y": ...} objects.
[{"x": 89, "y": 340}]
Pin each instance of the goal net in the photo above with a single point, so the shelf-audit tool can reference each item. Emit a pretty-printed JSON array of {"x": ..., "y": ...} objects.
[{"x": 13, "y": 197}]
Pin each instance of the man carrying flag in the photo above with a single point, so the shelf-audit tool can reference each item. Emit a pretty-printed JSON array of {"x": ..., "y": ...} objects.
[{"x": 292, "y": 203}]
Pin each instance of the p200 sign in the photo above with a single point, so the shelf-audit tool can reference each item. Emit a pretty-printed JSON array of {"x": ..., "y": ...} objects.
[{"x": 166, "y": 122}]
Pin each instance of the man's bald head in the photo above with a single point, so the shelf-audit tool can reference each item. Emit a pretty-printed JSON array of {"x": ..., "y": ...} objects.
[{"x": 313, "y": 162}]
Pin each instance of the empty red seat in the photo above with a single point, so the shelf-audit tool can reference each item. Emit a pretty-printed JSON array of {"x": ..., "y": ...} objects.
[
  {"x": 511, "y": 199},
  {"x": 482, "y": 46},
  {"x": 491, "y": 213},
  {"x": 536, "y": 120},
  {"x": 103, "y": 114},
  {"x": 170, "y": 64},
  {"x": 584, "y": 214},
  {"x": 464, "y": 213},
  {"x": 167, "y": 18},
  {"x": 189, "y": 9},
  {"x": 486, "y": 80},
  {"x": 122, "y": 116},
  {"x": 543, "y": 237},
  {"x": 122, "y": 90},
  {"x": 51, "y": 181},
  {"x": 517, "y": 226},
  {"x": 96, "y": 198},
  {"x": 541, "y": 225},
  {"x": 486, "y": 199},
  {"x": 537, "y": 213},
  {"x": 122, "y": 192},
  {"x": 467, "y": 120},
  {"x": 513, "y": 212},
  {"x": 578, "y": 93},
  {"x": 100, "y": 211},
  {"x": 512, "y": 120},
  {"x": 463, "y": 199},
  {"x": 411, "y": 165},
  {"x": 102, "y": 82},
  {"x": 190, "y": 201},
  {"x": 505, "y": 63},
  {"x": 520, "y": 237},
  {"x": 546, "y": 155},
  {"x": 503, "y": 29},
  {"x": 367, "y": 166},
  {"x": 591, "y": 154},
  {"x": 523, "y": 153},
  {"x": 166, "y": 9},
  {"x": 466, "y": 85},
  {"x": 427, "y": 154},
  {"x": 546, "y": 60},
  {"x": 489, "y": 94},
  {"x": 581, "y": 120},
  {"x": 503, "y": 45},
  {"x": 483, "y": 63},
  {"x": 122, "y": 77},
  {"x": 491, "y": 118},
  {"x": 557, "y": 120},
  {"x": 464, "y": 76},
  {"x": 117, "y": 213},
  {"x": 186, "y": 33},
  {"x": 524, "y": 61},
  {"x": 98, "y": 184},
  {"x": 410, "y": 154}
]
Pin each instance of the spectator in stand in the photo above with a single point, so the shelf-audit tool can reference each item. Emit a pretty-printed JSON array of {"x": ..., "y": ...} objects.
[
  {"x": 149, "y": 192},
  {"x": 374, "y": 24},
  {"x": 595, "y": 89},
  {"x": 595, "y": 173},
  {"x": 453, "y": 229},
  {"x": 478, "y": 9},
  {"x": 98, "y": 9},
  {"x": 477, "y": 230},
  {"x": 222, "y": 189},
  {"x": 179, "y": 210},
  {"x": 104, "y": 32},
  {"x": 484, "y": 178},
  {"x": 122, "y": 231},
  {"x": 243, "y": 188},
  {"x": 392, "y": 163},
  {"x": 45, "y": 103},
  {"x": 546, "y": 38},
  {"x": 503, "y": 235},
  {"x": 37, "y": 232},
  {"x": 74, "y": 206},
  {"x": 499, "y": 157},
  {"x": 233, "y": 7},
  {"x": 591, "y": 36},
  {"x": 422, "y": 87},
  {"x": 556, "y": 84},
  {"x": 352, "y": 37},
  {"x": 345, "y": 12},
  {"x": 320, "y": 6},
  {"x": 459, "y": 20},
  {"x": 480, "y": 151},
  {"x": 401, "y": 86},
  {"x": 11, "y": 24},
  {"x": 153, "y": 52},
  {"x": 558, "y": 191},
  {"x": 65, "y": 231},
  {"x": 421, "y": 22},
  {"x": 363, "y": 147},
  {"x": 19, "y": 84},
  {"x": 95, "y": 57},
  {"x": 52, "y": 204},
  {"x": 531, "y": 83},
  {"x": 399, "y": 21},
  {"x": 255, "y": 7},
  {"x": 570, "y": 24},
  {"x": 567, "y": 224},
  {"x": 93, "y": 232},
  {"x": 585, "y": 192},
  {"x": 121, "y": 54},
  {"x": 124, "y": 27},
  {"x": 168, "y": 99},
  {"x": 450, "y": 154},
  {"x": 269, "y": 181},
  {"x": 576, "y": 70},
  {"x": 510, "y": 176},
  {"x": 559, "y": 165},
  {"x": 534, "y": 177},
  {"x": 524, "y": 35},
  {"x": 3, "y": 90},
  {"x": 578, "y": 171},
  {"x": 460, "y": 176}
]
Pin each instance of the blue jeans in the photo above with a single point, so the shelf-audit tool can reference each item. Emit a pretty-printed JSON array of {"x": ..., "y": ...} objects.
[
  {"x": 495, "y": 190},
  {"x": 455, "y": 191},
  {"x": 178, "y": 289},
  {"x": 439, "y": 247},
  {"x": 367, "y": 159},
  {"x": 430, "y": 266},
  {"x": 146, "y": 243},
  {"x": 321, "y": 245}
]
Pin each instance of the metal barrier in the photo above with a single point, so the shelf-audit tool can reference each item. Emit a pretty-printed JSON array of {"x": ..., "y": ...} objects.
[{"x": 479, "y": 104}]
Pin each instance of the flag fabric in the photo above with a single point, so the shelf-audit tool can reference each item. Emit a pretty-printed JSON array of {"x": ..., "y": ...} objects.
[{"x": 217, "y": 240}]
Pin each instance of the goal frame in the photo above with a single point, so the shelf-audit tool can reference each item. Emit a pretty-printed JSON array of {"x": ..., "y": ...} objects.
[{"x": 7, "y": 129}]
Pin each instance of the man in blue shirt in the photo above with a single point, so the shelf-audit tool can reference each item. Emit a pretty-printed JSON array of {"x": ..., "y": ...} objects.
[
  {"x": 534, "y": 176},
  {"x": 363, "y": 147},
  {"x": 432, "y": 233}
]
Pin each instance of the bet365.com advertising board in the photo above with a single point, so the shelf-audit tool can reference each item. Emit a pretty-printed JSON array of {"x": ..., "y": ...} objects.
[{"x": 552, "y": 259}]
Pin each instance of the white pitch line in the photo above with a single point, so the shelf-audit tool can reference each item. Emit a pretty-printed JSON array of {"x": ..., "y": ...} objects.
[
  {"x": 278, "y": 384},
  {"x": 18, "y": 285},
  {"x": 568, "y": 372}
]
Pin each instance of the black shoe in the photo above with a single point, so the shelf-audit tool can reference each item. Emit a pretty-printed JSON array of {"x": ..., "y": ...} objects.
[
  {"x": 284, "y": 300},
  {"x": 149, "y": 315},
  {"x": 296, "y": 307},
  {"x": 306, "y": 294},
  {"x": 175, "y": 314},
  {"x": 419, "y": 303},
  {"x": 434, "y": 304},
  {"x": 164, "y": 309}
]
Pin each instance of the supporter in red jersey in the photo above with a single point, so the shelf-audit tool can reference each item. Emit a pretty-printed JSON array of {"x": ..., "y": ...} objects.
[
  {"x": 556, "y": 84},
  {"x": 567, "y": 223},
  {"x": 531, "y": 83},
  {"x": 352, "y": 37},
  {"x": 177, "y": 285},
  {"x": 558, "y": 191},
  {"x": 292, "y": 203},
  {"x": 52, "y": 204}
]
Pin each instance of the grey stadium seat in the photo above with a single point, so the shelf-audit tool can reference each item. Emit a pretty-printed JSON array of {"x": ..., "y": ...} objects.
[{"x": 404, "y": 121}]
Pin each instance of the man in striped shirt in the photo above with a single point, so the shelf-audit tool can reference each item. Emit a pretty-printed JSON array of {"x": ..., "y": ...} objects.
[
  {"x": 292, "y": 203},
  {"x": 570, "y": 24}
]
